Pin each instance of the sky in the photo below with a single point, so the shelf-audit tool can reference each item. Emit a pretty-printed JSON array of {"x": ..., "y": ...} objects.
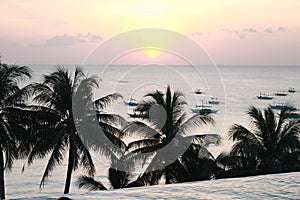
[{"x": 232, "y": 32}]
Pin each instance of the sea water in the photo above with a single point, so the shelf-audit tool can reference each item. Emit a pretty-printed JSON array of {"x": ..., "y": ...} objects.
[{"x": 235, "y": 86}]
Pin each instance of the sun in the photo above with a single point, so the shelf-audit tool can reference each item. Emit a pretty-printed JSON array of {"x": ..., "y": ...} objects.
[
  {"x": 152, "y": 53},
  {"x": 151, "y": 56}
]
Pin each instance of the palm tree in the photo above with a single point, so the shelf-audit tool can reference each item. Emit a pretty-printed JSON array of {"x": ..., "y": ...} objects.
[
  {"x": 272, "y": 145},
  {"x": 182, "y": 169},
  {"x": 58, "y": 95},
  {"x": 10, "y": 95},
  {"x": 170, "y": 128}
]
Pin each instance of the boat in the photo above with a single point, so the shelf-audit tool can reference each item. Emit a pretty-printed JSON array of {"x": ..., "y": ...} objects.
[
  {"x": 278, "y": 105},
  {"x": 137, "y": 115},
  {"x": 214, "y": 101},
  {"x": 264, "y": 96},
  {"x": 198, "y": 91},
  {"x": 281, "y": 93},
  {"x": 204, "y": 109},
  {"x": 131, "y": 102},
  {"x": 291, "y": 90}
]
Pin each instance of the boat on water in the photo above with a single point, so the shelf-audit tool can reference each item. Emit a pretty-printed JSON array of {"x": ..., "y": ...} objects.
[
  {"x": 278, "y": 106},
  {"x": 214, "y": 101},
  {"x": 204, "y": 109},
  {"x": 131, "y": 102},
  {"x": 281, "y": 93},
  {"x": 264, "y": 96},
  {"x": 198, "y": 91},
  {"x": 137, "y": 115},
  {"x": 291, "y": 90}
]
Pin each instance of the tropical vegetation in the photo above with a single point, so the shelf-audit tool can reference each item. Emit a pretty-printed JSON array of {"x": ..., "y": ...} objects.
[
  {"x": 11, "y": 133},
  {"x": 55, "y": 132},
  {"x": 166, "y": 127},
  {"x": 272, "y": 144},
  {"x": 60, "y": 119}
]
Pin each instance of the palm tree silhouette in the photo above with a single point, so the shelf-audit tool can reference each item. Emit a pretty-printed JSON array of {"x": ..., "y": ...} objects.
[
  {"x": 272, "y": 145},
  {"x": 58, "y": 95},
  {"x": 170, "y": 128},
  {"x": 10, "y": 131},
  {"x": 182, "y": 169}
]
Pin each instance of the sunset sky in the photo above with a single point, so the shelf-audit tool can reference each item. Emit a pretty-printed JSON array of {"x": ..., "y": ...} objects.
[{"x": 232, "y": 31}]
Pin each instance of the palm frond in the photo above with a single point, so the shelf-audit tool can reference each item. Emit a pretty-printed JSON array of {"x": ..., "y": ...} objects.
[
  {"x": 89, "y": 183},
  {"x": 158, "y": 97},
  {"x": 78, "y": 75},
  {"x": 8, "y": 144},
  {"x": 112, "y": 120},
  {"x": 98, "y": 139},
  {"x": 238, "y": 132},
  {"x": 56, "y": 158},
  {"x": 140, "y": 129},
  {"x": 205, "y": 139},
  {"x": 85, "y": 157},
  {"x": 288, "y": 140},
  {"x": 144, "y": 106},
  {"x": 257, "y": 119},
  {"x": 194, "y": 123},
  {"x": 142, "y": 143},
  {"x": 19, "y": 96},
  {"x": 107, "y": 100}
]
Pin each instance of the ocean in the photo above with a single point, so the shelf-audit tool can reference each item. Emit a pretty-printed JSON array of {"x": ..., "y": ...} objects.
[{"x": 235, "y": 86}]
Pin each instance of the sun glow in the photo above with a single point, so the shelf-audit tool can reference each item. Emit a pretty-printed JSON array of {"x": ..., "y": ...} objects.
[
  {"x": 152, "y": 56},
  {"x": 152, "y": 53}
]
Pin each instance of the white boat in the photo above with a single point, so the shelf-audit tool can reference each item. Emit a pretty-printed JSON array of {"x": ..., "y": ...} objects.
[
  {"x": 214, "y": 101},
  {"x": 131, "y": 102},
  {"x": 198, "y": 91},
  {"x": 278, "y": 105},
  {"x": 281, "y": 93},
  {"x": 264, "y": 96},
  {"x": 204, "y": 109},
  {"x": 291, "y": 90}
]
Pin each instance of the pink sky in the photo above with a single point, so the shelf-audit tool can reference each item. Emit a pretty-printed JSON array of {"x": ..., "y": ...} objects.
[{"x": 231, "y": 32}]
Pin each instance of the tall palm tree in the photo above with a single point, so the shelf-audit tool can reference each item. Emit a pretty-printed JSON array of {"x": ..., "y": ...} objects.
[
  {"x": 184, "y": 168},
  {"x": 272, "y": 145},
  {"x": 59, "y": 93},
  {"x": 10, "y": 95},
  {"x": 170, "y": 128}
]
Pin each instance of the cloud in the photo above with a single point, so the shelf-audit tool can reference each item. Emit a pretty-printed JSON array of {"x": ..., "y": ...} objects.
[
  {"x": 197, "y": 33},
  {"x": 249, "y": 30},
  {"x": 268, "y": 30},
  {"x": 226, "y": 30},
  {"x": 67, "y": 40},
  {"x": 254, "y": 30},
  {"x": 243, "y": 33},
  {"x": 280, "y": 28},
  {"x": 238, "y": 33},
  {"x": 62, "y": 40}
]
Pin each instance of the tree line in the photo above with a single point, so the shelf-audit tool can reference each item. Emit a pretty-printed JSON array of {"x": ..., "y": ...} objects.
[{"x": 38, "y": 121}]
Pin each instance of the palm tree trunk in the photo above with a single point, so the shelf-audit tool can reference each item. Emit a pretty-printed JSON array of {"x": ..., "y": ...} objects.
[
  {"x": 70, "y": 167},
  {"x": 2, "y": 187}
]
